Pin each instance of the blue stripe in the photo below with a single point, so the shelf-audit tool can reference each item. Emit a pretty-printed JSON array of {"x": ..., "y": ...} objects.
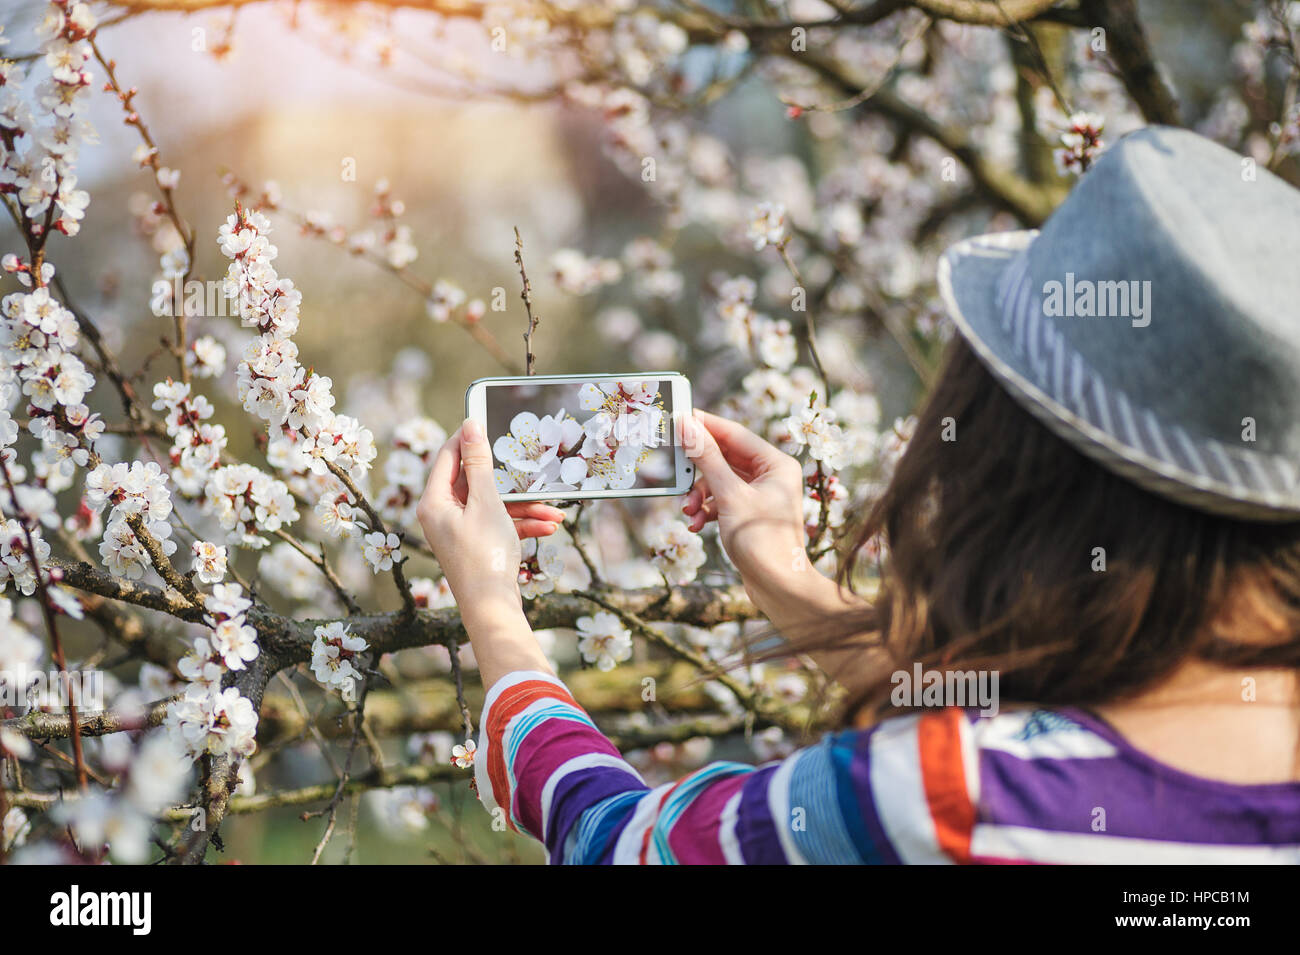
[
  {"x": 596, "y": 833},
  {"x": 690, "y": 788},
  {"x": 842, "y": 755},
  {"x": 816, "y": 821}
]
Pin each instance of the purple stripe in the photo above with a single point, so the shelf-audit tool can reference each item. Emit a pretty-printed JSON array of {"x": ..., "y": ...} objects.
[
  {"x": 1141, "y": 798},
  {"x": 578, "y": 792},
  {"x": 755, "y": 830},
  {"x": 860, "y": 774},
  {"x": 546, "y": 747},
  {"x": 695, "y": 836}
]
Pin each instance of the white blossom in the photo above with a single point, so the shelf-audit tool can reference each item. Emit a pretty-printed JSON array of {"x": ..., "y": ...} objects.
[{"x": 603, "y": 640}]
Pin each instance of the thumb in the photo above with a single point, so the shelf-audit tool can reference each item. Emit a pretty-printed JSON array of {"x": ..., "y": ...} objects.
[
  {"x": 476, "y": 462},
  {"x": 704, "y": 451}
]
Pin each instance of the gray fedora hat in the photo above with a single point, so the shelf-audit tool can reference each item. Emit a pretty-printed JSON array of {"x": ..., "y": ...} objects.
[{"x": 1154, "y": 322}]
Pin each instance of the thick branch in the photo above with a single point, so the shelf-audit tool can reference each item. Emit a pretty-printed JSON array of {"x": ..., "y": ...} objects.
[
  {"x": 59, "y": 725},
  {"x": 1126, "y": 41}
]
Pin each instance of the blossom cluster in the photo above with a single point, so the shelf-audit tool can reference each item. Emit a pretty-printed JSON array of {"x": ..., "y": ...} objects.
[
  {"x": 152, "y": 777},
  {"x": 135, "y": 490},
  {"x": 196, "y": 444},
  {"x": 1081, "y": 143},
  {"x": 38, "y": 163},
  {"x": 38, "y": 158},
  {"x": 210, "y": 718},
  {"x": 675, "y": 550},
  {"x": 769, "y": 340},
  {"x": 297, "y": 403},
  {"x": 335, "y": 655}
]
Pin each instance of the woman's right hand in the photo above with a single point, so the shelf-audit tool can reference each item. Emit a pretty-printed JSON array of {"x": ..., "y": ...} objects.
[{"x": 755, "y": 493}]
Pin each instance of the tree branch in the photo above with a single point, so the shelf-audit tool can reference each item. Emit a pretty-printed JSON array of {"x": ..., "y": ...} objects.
[{"x": 1126, "y": 42}]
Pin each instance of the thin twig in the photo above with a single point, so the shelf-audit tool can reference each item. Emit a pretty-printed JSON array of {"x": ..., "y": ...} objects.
[
  {"x": 809, "y": 320},
  {"x": 526, "y": 294},
  {"x": 377, "y": 523},
  {"x": 323, "y": 565}
]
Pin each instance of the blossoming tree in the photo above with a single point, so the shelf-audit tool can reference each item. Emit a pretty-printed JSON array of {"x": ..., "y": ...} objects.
[{"x": 125, "y": 514}]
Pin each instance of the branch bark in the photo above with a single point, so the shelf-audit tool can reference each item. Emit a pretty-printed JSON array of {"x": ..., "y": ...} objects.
[{"x": 1126, "y": 41}]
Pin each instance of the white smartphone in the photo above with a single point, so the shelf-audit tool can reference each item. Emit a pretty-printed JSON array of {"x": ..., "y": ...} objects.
[{"x": 576, "y": 437}]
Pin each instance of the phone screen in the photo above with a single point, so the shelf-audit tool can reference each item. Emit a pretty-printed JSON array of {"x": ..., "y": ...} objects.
[{"x": 581, "y": 435}]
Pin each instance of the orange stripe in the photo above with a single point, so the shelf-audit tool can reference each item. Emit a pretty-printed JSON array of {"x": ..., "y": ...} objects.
[
  {"x": 944, "y": 775},
  {"x": 510, "y": 702}
]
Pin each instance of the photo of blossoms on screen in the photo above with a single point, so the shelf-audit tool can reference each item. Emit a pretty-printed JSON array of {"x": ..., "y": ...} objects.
[{"x": 601, "y": 436}]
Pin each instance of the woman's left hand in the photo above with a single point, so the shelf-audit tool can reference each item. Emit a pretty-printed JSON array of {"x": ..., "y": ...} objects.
[{"x": 474, "y": 535}]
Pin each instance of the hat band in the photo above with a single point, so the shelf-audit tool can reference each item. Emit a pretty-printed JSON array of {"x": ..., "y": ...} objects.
[{"x": 1123, "y": 426}]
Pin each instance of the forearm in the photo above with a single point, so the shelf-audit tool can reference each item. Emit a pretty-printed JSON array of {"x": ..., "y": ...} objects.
[
  {"x": 503, "y": 642},
  {"x": 805, "y": 606},
  {"x": 800, "y": 597}
]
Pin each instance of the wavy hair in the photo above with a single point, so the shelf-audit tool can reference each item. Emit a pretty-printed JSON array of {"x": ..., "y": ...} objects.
[{"x": 994, "y": 544}]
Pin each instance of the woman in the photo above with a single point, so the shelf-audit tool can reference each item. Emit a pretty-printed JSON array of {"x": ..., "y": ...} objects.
[{"x": 1099, "y": 506}]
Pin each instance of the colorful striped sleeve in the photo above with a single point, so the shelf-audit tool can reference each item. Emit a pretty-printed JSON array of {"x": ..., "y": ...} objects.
[{"x": 544, "y": 765}]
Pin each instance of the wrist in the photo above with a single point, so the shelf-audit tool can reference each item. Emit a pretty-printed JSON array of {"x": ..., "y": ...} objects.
[
  {"x": 503, "y": 641},
  {"x": 482, "y": 615}
]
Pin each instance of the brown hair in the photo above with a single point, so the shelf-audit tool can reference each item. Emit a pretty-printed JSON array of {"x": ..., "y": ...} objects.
[{"x": 990, "y": 542}]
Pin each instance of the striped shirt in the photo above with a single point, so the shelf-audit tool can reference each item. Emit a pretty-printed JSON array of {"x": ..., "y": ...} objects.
[{"x": 942, "y": 786}]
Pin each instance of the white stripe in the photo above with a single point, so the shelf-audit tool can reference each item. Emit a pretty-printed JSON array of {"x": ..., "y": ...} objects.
[
  {"x": 1216, "y": 449},
  {"x": 1021, "y": 308},
  {"x": 1290, "y": 473},
  {"x": 1077, "y": 382},
  {"x": 778, "y": 804},
  {"x": 1003, "y": 733},
  {"x": 1037, "y": 361},
  {"x": 899, "y": 792},
  {"x": 627, "y": 851},
  {"x": 970, "y": 759},
  {"x": 1103, "y": 406},
  {"x": 727, "y": 839},
  {"x": 1198, "y": 466},
  {"x": 585, "y": 761},
  {"x": 1262, "y": 478},
  {"x": 1158, "y": 435},
  {"x": 1058, "y": 364},
  {"x": 1127, "y": 421},
  {"x": 1041, "y": 845}
]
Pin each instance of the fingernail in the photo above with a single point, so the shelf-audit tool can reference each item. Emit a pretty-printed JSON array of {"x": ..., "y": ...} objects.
[{"x": 470, "y": 430}]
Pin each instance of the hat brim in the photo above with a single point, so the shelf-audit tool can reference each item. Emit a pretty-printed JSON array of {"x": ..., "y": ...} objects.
[{"x": 968, "y": 278}]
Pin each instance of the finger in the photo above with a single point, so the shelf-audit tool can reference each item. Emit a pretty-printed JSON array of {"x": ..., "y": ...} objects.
[
  {"x": 703, "y": 449},
  {"x": 535, "y": 509},
  {"x": 476, "y": 463},
  {"x": 708, "y": 511},
  {"x": 695, "y": 497},
  {"x": 531, "y": 527},
  {"x": 439, "y": 489},
  {"x": 746, "y": 451}
]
